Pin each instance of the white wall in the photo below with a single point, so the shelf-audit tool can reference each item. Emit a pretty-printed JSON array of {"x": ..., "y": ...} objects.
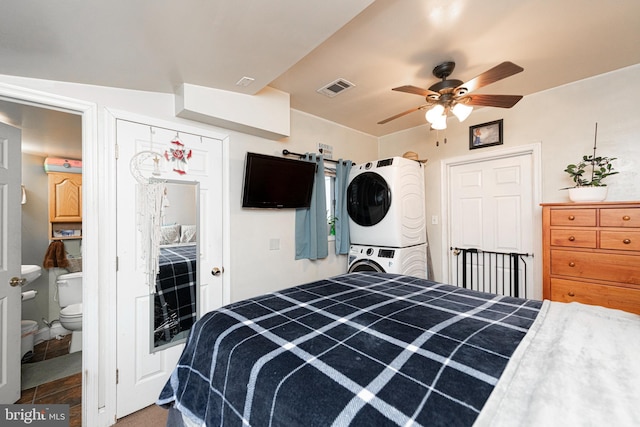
[
  {"x": 256, "y": 269},
  {"x": 562, "y": 120},
  {"x": 181, "y": 208}
]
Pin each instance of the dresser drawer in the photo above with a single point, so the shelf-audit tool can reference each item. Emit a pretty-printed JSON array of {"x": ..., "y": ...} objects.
[
  {"x": 574, "y": 238},
  {"x": 622, "y": 240},
  {"x": 621, "y": 217},
  {"x": 577, "y": 217},
  {"x": 590, "y": 293},
  {"x": 589, "y": 265}
]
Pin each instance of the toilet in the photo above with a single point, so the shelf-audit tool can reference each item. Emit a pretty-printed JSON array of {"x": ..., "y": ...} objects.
[{"x": 70, "y": 301}]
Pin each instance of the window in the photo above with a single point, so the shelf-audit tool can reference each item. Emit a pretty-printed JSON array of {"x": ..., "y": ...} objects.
[{"x": 330, "y": 193}]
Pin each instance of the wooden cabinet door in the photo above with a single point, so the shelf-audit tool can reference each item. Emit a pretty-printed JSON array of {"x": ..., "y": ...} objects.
[{"x": 65, "y": 197}]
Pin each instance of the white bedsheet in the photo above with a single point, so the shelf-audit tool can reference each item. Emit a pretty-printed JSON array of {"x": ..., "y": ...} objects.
[{"x": 579, "y": 365}]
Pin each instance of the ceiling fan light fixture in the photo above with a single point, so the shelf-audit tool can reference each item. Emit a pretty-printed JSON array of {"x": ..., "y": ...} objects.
[
  {"x": 440, "y": 123},
  {"x": 435, "y": 113},
  {"x": 454, "y": 95},
  {"x": 462, "y": 111}
]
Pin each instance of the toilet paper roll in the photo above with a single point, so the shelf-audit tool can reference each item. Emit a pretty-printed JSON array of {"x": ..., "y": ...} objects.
[{"x": 27, "y": 295}]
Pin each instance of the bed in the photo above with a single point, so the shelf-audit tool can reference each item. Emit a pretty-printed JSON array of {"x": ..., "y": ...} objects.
[
  {"x": 375, "y": 349},
  {"x": 175, "y": 301}
]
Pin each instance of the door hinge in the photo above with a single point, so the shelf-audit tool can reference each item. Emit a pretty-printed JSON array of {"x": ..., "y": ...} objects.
[
  {"x": 117, "y": 263},
  {"x": 117, "y": 376},
  {"x": 117, "y": 151}
]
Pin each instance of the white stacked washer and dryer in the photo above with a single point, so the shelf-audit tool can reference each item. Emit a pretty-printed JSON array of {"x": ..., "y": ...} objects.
[{"x": 385, "y": 201}]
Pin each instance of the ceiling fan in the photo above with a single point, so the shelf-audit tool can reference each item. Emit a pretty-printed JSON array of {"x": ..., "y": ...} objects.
[{"x": 456, "y": 96}]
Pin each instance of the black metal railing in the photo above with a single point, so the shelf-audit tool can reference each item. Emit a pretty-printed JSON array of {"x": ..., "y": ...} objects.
[{"x": 494, "y": 272}]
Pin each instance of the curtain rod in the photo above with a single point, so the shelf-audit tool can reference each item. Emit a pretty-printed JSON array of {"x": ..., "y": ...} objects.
[{"x": 286, "y": 152}]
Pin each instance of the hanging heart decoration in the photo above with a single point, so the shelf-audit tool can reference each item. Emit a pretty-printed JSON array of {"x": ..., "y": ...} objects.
[{"x": 178, "y": 155}]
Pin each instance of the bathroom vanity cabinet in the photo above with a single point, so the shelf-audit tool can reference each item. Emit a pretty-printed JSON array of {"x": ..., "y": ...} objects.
[{"x": 65, "y": 205}]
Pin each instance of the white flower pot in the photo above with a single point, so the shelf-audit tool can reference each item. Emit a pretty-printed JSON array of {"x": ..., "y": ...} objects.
[{"x": 587, "y": 194}]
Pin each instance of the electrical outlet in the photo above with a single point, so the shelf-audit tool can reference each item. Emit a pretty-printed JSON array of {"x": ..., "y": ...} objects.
[{"x": 274, "y": 244}]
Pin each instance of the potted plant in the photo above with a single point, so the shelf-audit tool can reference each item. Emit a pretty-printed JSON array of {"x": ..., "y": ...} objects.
[
  {"x": 331, "y": 221},
  {"x": 588, "y": 175}
]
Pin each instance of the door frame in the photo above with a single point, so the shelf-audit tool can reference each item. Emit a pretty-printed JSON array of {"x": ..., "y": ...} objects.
[
  {"x": 534, "y": 151},
  {"x": 93, "y": 247}
]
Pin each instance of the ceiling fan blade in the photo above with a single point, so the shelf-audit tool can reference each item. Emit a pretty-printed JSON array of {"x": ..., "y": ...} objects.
[
  {"x": 499, "y": 72},
  {"x": 404, "y": 113},
  {"x": 415, "y": 90},
  {"x": 501, "y": 101}
]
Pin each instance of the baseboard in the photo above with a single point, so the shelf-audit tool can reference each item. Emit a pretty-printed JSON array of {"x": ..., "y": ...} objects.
[
  {"x": 57, "y": 330},
  {"x": 46, "y": 333},
  {"x": 42, "y": 335}
]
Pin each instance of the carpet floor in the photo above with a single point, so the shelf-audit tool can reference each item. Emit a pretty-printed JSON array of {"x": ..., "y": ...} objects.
[
  {"x": 151, "y": 416},
  {"x": 38, "y": 373}
]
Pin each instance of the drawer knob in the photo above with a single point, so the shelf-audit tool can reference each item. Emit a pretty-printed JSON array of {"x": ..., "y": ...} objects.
[
  {"x": 572, "y": 217},
  {"x": 626, "y": 241},
  {"x": 572, "y": 238},
  {"x": 626, "y": 218},
  {"x": 571, "y": 294},
  {"x": 572, "y": 264}
]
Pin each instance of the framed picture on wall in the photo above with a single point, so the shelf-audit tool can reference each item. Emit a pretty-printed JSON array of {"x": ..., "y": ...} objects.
[{"x": 485, "y": 134}]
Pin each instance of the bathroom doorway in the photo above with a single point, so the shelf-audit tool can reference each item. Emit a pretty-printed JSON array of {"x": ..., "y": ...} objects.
[{"x": 46, "y": 133}]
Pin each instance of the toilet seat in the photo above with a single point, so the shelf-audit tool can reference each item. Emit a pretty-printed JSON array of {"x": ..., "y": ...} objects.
[
  {"x": 71, "y": 317},
  {"x": 71, "y": 311}
]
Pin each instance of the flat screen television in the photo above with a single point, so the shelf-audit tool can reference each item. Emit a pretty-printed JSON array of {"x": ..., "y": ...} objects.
[{"x": 277, "y": 182}]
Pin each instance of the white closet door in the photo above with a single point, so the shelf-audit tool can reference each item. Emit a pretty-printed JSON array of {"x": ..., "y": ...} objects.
[{"x": 491, "y": 209}]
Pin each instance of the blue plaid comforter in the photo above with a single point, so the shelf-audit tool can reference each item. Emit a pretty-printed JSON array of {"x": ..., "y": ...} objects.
[{"x": 365, "y": 349}]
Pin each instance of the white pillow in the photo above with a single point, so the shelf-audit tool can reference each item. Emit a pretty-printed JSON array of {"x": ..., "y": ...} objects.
[
  {"x": 189, "y": 233},
  {"x": 170, "y": 234}
]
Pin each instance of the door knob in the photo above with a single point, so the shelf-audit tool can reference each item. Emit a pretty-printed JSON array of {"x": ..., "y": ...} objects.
[
  {"x": 215, "y": 271},
  {"x": 16, "y": 281}
]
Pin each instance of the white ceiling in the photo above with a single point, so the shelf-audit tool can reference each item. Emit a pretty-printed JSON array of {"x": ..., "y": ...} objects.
[{"x": 299, "y": 46}]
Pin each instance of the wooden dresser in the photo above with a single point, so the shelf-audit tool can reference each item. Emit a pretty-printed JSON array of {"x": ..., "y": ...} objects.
[{"x": 591, "y": 253}]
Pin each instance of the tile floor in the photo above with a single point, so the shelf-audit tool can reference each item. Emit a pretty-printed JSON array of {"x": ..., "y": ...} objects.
[{"x": 63, "y": 391}]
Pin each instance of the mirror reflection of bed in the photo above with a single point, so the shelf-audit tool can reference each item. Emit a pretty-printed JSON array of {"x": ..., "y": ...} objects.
[{"x": 175, "y": 307}]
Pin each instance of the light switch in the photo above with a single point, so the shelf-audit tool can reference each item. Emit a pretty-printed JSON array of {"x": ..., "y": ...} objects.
[{"x": 434, "y": 219}]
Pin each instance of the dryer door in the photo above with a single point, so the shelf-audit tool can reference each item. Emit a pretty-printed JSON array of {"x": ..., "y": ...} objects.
[
  {"x": 368, "y": 199},
  {"x": 366, "y": 265}
]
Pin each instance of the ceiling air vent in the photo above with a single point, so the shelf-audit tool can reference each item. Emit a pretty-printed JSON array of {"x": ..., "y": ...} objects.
[{"x": 335, "y": 87}]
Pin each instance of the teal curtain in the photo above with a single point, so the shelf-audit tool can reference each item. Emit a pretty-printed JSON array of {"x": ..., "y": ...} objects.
[
  {"x": 342, "y": 224},
  {"x": 311, "y": 224}
]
